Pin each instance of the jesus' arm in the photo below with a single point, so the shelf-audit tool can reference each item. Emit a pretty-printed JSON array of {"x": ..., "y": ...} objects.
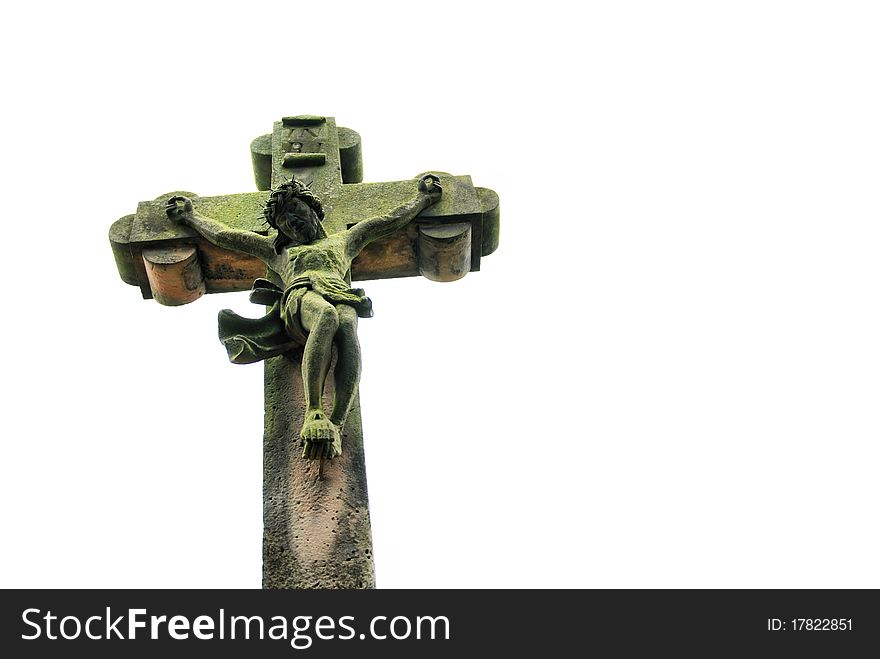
[
  {"x": 180, "y": 210},
  {"x": 366, "y": 231}
]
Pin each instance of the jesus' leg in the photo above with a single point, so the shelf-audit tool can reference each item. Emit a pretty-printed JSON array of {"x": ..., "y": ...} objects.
[
  {"x": 320, "y": 319},
  {"x": 348, "y": 364}
]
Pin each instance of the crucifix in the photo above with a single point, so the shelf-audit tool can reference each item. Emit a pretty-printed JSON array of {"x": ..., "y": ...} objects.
[{"x": 298, "y": 250}]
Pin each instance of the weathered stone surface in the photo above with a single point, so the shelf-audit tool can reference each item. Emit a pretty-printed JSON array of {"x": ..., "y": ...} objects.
[
  {"x": 316, "y": 533},
  {"x": 174, "y": 274},
  {"x": 445, "y": 251}
]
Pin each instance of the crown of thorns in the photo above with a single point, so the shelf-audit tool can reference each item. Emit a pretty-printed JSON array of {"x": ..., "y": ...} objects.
[{"x": 287, "y": 192}]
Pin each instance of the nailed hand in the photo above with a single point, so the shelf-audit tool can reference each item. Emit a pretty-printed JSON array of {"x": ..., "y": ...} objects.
[
  {"x": 429, "y": 184},
  {"x": 178, "y": 208}
]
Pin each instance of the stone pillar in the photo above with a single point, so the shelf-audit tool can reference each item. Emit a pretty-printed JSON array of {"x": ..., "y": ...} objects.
[{"x": 316, "y": 533}]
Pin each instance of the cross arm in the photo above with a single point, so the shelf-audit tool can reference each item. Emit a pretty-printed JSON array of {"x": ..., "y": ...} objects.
[
  {"x": 175, "y": 264},
  {"x": 443, "y": 242}
]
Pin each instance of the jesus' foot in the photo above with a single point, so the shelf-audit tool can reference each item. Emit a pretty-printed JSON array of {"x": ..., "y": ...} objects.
[{"x": 321, "y": 439}]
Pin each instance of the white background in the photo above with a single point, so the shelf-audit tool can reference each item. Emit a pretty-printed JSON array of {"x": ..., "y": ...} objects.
[{"x": 667, "y": 376}]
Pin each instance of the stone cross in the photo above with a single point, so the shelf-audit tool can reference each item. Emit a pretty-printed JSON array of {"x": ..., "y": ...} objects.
[{"x": 316, "y": 526}]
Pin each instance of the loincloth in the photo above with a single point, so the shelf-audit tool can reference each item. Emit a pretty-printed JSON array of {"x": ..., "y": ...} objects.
[{"x": 249, "y": 340}]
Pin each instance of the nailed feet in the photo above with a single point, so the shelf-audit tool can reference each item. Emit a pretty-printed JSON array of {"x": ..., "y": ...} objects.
[{"x": 321, "y": 438}]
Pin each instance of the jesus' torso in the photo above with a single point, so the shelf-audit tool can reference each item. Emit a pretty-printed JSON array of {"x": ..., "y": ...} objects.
[{"x": 326, "y": 256}]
